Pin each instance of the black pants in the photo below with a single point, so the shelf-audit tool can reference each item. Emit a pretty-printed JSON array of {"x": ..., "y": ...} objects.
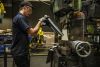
[{"x": 22, "y": 61}]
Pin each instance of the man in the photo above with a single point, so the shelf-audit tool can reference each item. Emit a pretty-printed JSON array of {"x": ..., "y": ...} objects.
[{"x": 21, "y": 30}]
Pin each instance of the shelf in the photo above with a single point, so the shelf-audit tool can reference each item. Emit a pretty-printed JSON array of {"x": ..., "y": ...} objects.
[{"x": 92, "y": 34}]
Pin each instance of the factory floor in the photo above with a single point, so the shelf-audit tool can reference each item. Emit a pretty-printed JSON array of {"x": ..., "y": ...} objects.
[
  {"x": 39, "y": 56},
  {"x": 37, "y": 59}
]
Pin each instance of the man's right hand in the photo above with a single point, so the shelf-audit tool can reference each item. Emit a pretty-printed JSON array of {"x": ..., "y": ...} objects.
[{"x": 42, "y": 19}]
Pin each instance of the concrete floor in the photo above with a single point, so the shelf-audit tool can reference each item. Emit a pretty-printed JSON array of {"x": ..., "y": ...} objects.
[
  {"x": 39, "y": 61},
  {"x": 36, "y": 61}
]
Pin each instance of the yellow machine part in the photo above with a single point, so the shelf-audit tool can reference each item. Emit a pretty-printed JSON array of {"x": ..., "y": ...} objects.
[
  {"x": 2, "y": 9},
  {"x": 90, "y": 29},
  {"x": 40, "y": 36},
  {"x": 40, "y": 32}
]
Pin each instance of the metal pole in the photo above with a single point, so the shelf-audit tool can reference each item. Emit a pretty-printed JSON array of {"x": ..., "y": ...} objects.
[{"x": 5, "y": 56}]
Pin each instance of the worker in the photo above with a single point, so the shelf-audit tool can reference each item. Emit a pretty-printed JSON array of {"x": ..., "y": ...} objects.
[{"x": 20, "y": 31}]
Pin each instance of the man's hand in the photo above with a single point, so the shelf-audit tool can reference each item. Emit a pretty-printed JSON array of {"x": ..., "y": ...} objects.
[{"x": 42, "y": 19}]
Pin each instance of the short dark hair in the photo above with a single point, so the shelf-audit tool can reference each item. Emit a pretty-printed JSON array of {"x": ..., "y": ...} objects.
[{"x": 25, "y": 3}]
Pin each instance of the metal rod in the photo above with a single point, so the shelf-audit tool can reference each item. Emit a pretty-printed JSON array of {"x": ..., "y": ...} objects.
[{"x": 5, "y": 56}]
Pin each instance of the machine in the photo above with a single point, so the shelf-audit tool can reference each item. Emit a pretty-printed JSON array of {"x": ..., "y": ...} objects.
[{"x": 83, "y": 42}]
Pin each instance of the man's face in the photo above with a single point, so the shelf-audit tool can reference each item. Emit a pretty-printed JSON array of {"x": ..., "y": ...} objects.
[{"x": 27, "y": 10}]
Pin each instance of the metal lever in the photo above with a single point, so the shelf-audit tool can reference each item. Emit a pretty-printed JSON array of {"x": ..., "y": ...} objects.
[{"x": 53, "y": 26}]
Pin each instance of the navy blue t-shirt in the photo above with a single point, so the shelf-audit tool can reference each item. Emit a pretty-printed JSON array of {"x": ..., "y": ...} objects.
[{"x": 20, "y": 45}]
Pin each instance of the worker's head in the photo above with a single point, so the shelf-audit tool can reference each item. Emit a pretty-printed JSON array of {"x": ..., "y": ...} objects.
[{"x": 26, "y": 8}]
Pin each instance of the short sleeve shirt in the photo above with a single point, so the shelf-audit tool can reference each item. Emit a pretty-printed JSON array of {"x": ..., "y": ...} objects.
[{"x": 20, "y": 43}]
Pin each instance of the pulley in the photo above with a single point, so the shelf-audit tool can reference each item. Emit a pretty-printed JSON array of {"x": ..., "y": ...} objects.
[{"x": 82, "y": 48}]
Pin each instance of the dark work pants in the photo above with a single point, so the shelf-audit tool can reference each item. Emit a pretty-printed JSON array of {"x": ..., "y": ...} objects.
[{"x": 22, "y": 61}]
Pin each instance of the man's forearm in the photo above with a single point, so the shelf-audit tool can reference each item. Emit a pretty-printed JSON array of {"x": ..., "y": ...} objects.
[
  {"x": 34, "y": 30},
  {"x": 37, "y": 26}
]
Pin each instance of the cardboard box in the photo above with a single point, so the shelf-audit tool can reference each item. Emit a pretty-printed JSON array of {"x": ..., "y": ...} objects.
[{"x": 49, "y": 38}]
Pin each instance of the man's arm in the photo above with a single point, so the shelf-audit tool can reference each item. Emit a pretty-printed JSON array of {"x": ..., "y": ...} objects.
[{"x": 34, "y": 30}]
